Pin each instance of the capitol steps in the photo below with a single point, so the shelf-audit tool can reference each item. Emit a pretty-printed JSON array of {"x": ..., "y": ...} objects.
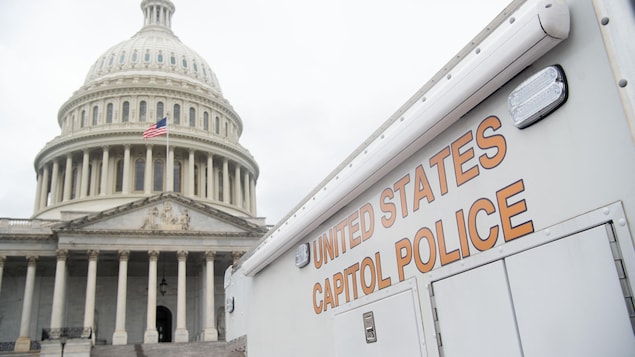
[{"x": 192, "y": 349}]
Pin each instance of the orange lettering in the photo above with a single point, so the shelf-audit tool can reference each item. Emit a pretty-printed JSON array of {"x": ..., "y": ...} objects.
[
  {"x": 491, "y": 142},
  {"x": 404, "y": 258},
  {"x": 461, "y": 158},
  {"x": 368, "y": 226},
  {"x": 444, "y": 256},
  {"x": 425, "y": 233},
  {"x": 482, "y": 204},
  {"x": 367, "y": 263},
  {"x": 388, "y": 207},
  {"x": 508, "y": 211},
  {"x": 437, "y": 160},
  {"x": 422, "y": 188},
  {"x": 317, "y": 306}
]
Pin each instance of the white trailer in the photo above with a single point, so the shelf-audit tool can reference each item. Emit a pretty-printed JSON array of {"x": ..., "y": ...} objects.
[{"x": 489, "y": 216}]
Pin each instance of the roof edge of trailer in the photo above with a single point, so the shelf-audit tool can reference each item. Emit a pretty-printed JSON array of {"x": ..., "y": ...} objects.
[{"x": 523, "y": 32}]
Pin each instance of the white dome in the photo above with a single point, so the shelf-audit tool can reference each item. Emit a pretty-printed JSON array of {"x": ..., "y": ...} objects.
[{"x": 154, "y": 50}]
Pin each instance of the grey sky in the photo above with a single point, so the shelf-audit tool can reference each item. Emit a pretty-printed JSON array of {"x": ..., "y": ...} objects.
[{"x": 310, "y": 79}]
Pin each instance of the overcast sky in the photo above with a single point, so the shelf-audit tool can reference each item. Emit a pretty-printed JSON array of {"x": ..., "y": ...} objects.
[{"x": 311, "y": 80}]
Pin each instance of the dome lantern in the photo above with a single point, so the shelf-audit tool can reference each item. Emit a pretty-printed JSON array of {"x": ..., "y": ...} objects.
[{"x": 157, "y": 13}]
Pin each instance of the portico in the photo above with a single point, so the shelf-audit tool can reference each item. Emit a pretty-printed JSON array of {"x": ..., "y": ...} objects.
[{"x": 101, "y": 275}]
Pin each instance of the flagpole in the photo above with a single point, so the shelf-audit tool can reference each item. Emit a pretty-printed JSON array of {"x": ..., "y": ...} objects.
[{"x": 167, "y": 149}]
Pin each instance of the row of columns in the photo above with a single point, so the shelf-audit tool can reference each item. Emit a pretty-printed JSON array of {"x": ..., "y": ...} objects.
[
  {"x": 244, "y": 190},
  {"x": 120, "y": 336}
]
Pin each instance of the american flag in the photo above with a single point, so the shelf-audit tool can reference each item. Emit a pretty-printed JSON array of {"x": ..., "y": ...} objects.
[{"x": 156, "y": 129}]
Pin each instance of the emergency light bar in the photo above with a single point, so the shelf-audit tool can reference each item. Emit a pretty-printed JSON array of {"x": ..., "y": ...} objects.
[{"x": 524, "y": 32}]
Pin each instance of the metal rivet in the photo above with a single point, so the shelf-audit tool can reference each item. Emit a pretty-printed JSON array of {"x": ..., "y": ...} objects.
[
  {"x": 604, "y": 21},
  {"x": 622, "y": 83}
]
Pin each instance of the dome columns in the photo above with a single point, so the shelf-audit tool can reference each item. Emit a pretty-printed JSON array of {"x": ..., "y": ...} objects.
[{"x": 140, "y": 170}]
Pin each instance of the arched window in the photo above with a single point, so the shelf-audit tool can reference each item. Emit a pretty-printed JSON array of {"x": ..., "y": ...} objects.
[
  {"x": 205, "y": 121},
  {"x": 184, "y": 63},
  {"x": 172, "y": 59},
  {"x": 95, "y": 113},
  {"x": 221, "y": 186},
  {"x": 109, "y": 113},
  {"x": 192, "y": 117},
  {"x": 83, "y": 122},
  {"x": 90, "y": 180},
  {"x": 125, "y": 112},
  {"x": 146, "y": 57},
  {"x": 177, "y": 176},
  {"x": 159, "y": 110},
  {"x": 226, "y": 130},
  {"x": 177, "y": 114},
  {"x": 119, "y": 176},
  {"x": 134, "y": 57},
  {"x": 195, "y": 67},
  {"x": 158, "y": 175},
  {"x": 139, "y": 174},
  {"x": 196, "y": 180},
  {"x": 217, "y": 125},
  {"x": 160, "y": 57},
  {"x": 122, "y": 57},
  {"x": 143, "y": 107},
  {"x": 74, "y": 177}
]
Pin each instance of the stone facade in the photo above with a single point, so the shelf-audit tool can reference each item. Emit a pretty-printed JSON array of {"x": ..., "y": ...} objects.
[{"x": 130, "y": 235}]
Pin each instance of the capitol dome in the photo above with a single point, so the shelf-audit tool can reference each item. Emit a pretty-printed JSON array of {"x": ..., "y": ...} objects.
[
  {"x": 154, "y": 48},
  {"x": 101, "y": 159}
]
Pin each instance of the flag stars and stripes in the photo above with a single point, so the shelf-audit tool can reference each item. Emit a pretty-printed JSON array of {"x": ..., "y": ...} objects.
[{"x": 157, "y": 129}]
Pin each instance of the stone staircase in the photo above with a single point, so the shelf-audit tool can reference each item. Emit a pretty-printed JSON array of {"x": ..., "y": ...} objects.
[{"x": 191, "y": 349}]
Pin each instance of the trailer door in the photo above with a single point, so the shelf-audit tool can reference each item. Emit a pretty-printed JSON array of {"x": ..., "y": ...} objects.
[{"x": 563, "y": 298}]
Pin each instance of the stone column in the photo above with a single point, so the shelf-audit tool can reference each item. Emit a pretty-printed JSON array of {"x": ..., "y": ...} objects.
[
  {"x": 226, "y": 184},
  {"x": 210, "y": 177},
  {"x": 252, "y": 189},
  {"x": 152, "y": 335},
  {"x": 120, "y": 336},
  {"x": 91, "y": 283},
  {"x": 247, "y": 197},
  {"x": 190, "y": 174},
  {"x": 94, "y": 190},
  {"x": 83, "y": 187},
  {"x": 54, "y": 182},
  {"x": 215, "y": 194},
  {"x": 38, "y": 192},
  {"x": 23, "y": 343},
  {"x": 104, "y": 171},
  {"x": 59, "y": 294},
  {"x": 126, "y": 170},
  {"x": 181, "y": 334},
  {"x": 211, "y": 332},
  {"x": 2, "y": 260},
  {"x": 45, "y": 187},
  {"x": 169, "y": 182},
  {"x": 238, "y": 197},
  {"x": 147, "y": 184},
  {"x": 68, "y": 178}
]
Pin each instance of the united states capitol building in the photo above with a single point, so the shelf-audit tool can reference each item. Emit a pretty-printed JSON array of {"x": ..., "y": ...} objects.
[{"x": 130, "y": 237}]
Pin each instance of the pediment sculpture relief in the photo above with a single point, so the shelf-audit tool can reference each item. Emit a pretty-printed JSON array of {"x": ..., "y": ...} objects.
[{"x": 167, "y": 219}]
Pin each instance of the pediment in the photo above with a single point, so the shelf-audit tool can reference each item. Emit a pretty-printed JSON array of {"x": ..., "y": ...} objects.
[{"x": 168, "y": 213}]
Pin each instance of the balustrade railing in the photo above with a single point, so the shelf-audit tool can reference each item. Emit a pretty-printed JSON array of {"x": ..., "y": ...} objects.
[{"x": 67, "y": 332}]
